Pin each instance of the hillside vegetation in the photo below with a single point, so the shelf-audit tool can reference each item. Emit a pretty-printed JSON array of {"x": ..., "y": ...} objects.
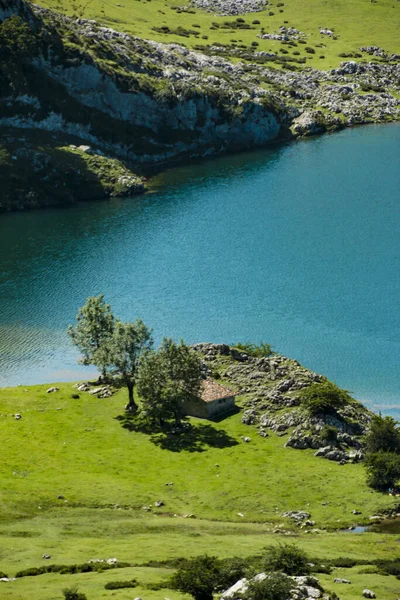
[{"x": 356, "y": 23}]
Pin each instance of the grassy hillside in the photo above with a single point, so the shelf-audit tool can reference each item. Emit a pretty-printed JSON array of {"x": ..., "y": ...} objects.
[
  {"x": 76, "y": 475},
  {"x": 355, "y": 23}
]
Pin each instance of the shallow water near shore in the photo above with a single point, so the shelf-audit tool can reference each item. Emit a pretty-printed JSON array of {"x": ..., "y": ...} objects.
[{"x": 297, "y": 245}]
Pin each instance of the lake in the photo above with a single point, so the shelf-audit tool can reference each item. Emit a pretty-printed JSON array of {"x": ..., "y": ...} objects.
[{"x": 297, "y": 244}]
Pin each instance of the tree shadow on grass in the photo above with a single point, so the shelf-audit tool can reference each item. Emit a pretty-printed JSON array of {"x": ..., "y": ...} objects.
[{"x": 190, "y": 438}]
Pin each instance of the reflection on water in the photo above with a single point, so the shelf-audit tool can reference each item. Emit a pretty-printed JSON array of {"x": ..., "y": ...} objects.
[{"x": 297, "y": 245}]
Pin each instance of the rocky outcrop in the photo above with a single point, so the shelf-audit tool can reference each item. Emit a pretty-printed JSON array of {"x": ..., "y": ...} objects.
[
  {"x": 303, "y": 588},
  {"x": 271, "y": 391},
  {"x": 149, "y": 103}
]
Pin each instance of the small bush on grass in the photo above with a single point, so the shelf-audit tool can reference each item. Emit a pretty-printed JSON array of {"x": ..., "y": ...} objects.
[
  {"x": 197, "y": 577},
  {"x": 230, "y": 571},
  {"x": 3, "y": 575},
  {"x": 288, "y": 558},
  {"x": 118, "y": 585},
  {"x": 275, "y": 586},
  {"x": 383, "y": 470},
  {"x": 384, "y": 435},
  {"x": 73, "y": 594}
]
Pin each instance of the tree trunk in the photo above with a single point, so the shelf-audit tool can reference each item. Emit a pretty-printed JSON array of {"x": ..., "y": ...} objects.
[{"x": 131, "y": 406}]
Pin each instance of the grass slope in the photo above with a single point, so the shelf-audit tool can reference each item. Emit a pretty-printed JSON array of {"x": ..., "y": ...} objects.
[
  {"x": 355, "y": 22},
  {"x": 107, "y": 471}
]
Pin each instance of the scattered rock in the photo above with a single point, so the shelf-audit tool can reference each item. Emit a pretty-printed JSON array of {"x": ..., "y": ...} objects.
[
  {"x": 340, "y": 580},
  {"x": 368, "y": 594},
  {"x": 17, "y": 416},
  {"x": 159, "y": 503},
  {"x": 46, "y": 556},
  {"x": 51, "y": 390},
  {"x": 297, "y": 515}
]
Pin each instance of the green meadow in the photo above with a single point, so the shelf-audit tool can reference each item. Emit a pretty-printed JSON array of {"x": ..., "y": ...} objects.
[
  {"x": 355, "y": 23},
  {"x": 76, "y": 474}
]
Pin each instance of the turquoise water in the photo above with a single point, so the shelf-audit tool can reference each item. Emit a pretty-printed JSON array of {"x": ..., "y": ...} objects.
[{"x": 297, "y": 245}]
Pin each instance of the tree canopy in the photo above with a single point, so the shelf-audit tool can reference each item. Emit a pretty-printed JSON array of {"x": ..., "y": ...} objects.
[
  {"x": 94, "y": 327},
  {"x": 167, "y": 378}
]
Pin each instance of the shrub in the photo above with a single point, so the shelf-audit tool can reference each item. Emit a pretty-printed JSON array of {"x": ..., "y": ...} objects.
[
  {"x": 17, "y": 39},
  {"x": 256, "y": 22},
  {"x": 329, "y": 433},
  {"x": 383, "y": 470},
  {"x": 73, "y": 594},
  {"x": 254, "y": 43},
  {"x": 197, "y": 577},
  {"x": 384, "y": 435},
  {"x": 118, "y": 585},
  {"x": 310, "y": 50},
  {"x": 3, "y": 575},
  {"x": 263, "y": 349},
  {"x": 323, "y": 398},
  {"x": 275, "y": 586},
  {"x": 240, "y": 20},
  {"x": 288, "y": 558},
  {"x": 230, "y": 571}
]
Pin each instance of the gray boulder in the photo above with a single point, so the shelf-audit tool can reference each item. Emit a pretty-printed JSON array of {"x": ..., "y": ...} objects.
[{"x": 368, "y": 594}]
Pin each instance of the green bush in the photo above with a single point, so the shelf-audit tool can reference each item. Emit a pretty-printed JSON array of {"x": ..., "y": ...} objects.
[
  {"x": 383, "y": 470},
  {"x": 276, "y": 586},
  {"x": 288, "y": 558},
  {"x": 329, "y": 434},
  {"x": 118, "y": 585},
  {"x": 198, "y": 577},
  {"x": 384, "y": 435},
  {"x": 17, "y": 40},
  {"x": 73, "y": 594},
  {"x": 230, "y": 571},
  {"x": 3, "y": 574},
  {"x": 324, "y": 398},
  {"x": 256, "y": 350}
]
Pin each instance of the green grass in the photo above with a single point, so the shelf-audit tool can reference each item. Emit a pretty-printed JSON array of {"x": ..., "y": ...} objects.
[
  {"x": 355, "y": 22},
  {"x": 79, "y": 449}
]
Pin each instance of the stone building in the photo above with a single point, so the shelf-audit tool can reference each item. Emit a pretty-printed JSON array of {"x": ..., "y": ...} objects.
[{"x": 215, "y": 401}]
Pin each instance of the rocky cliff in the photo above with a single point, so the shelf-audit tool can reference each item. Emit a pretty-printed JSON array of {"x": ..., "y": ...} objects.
[{"x": 150, "y": 103}]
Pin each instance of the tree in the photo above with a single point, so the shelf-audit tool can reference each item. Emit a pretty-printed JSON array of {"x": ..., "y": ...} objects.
[
  {"x": 167, "y": 378},
  {"x": 197, "y": 577},
  {"x": 288, "y": 558},
  {"x": 123, "y": 350},
  {"x": 383, "y": 470},
  {"x": 95, "y": 326},
  {"x": 384, "y": 435}
]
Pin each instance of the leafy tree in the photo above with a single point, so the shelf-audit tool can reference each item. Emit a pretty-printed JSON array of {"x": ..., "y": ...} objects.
[
  {"x": 197, "y": 577},
  {"x": 95, "y": 326},
  {"x": 383, "y": 470},
  {"x": 275, "y": 586},
  {"x": 288, "y": 558},
  {"x": 323, "y": 398},
  {"x": 167, "y": 378},
  {"x": 384, "y": 435},
  {"x": 123, "y": 350}
]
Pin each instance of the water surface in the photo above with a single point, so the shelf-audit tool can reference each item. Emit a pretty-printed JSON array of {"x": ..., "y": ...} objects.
[{"x": 297, "y": 245}]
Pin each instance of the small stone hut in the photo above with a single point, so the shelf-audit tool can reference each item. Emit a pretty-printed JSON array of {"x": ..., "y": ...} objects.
[{"x": 215, "y": 401}]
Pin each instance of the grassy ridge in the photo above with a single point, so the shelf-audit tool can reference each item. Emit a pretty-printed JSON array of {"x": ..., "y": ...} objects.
[
  {"x": 355, "y": 22},
  {"x": 106, "y": 473}
]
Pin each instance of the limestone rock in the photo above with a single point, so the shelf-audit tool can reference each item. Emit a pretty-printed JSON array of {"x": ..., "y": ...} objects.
[
  {"x": 51, "y": 390},
  {"x": 369, "y": 594}
]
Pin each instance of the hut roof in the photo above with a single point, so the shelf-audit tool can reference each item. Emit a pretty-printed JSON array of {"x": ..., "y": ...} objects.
[{"x": 211, "y": 390}]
